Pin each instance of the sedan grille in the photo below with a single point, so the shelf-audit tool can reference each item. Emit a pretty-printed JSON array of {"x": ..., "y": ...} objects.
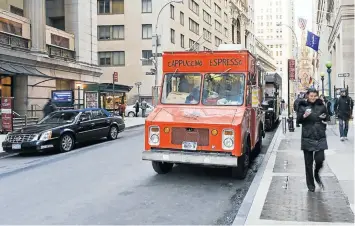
[
  {"x": 201, "y": 136},
  {"x": 20, "y": 138}
]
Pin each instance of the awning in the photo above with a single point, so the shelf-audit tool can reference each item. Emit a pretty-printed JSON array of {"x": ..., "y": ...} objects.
[{"x": 13, "y": 69}]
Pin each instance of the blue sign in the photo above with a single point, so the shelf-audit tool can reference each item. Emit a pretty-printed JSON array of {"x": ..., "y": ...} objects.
[
  {"x": 62, "y": 96},
  {"x": 312, "y": 41}
]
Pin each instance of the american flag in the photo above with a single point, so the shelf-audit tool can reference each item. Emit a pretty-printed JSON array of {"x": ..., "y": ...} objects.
[{"x": 302, "y": 23}]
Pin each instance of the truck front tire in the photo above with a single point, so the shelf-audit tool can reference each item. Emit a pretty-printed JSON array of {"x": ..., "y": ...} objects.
[
  {"x": 162, "y": 167},
  {"x": 240, "y": 172}
]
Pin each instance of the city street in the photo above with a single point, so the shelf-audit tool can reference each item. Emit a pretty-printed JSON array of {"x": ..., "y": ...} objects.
[{"x": 108, "y": 183}]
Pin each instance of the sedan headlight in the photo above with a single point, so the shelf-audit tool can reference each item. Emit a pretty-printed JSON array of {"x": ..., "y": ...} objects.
[
  {"x": 154, "y": 135},
  {"x": 228, "y": 139},
  {"x": 46, "y": 136}
]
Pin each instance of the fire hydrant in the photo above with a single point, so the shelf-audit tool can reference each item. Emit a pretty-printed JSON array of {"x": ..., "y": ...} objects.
[{"x": 291, "y": 127}]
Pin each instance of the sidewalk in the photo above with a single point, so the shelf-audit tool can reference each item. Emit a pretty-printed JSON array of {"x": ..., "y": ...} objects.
[
  {"x": 279, "y": 194},
  {"x": 130, "y": 123}
]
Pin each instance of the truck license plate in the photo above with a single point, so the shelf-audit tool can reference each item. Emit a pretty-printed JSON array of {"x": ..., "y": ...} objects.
[
  {"x": 16, "y": 146},
  {"x": 192, "y": 146}
]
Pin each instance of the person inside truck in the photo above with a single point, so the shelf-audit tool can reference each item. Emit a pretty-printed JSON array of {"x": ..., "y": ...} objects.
[{"x": 194, "y": 96}]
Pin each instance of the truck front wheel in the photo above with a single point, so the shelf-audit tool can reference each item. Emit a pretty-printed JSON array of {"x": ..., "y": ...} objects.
[
  {"x": 240, "y": 172},
  {"x": 162, "y": 167}
]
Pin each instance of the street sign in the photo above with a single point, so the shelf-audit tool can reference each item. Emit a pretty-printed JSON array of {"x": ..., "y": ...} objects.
[
  {"x": 115, "y": 76},
  {"x": 149, "y": 73},
  {"x": 157, "y": 55},
  {"x": 343, "y": 75}
]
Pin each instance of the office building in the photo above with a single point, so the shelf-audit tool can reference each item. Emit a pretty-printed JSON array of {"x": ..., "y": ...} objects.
[
  {"x": 275, "y": 23},
  {"x": 46, "y": 45}
]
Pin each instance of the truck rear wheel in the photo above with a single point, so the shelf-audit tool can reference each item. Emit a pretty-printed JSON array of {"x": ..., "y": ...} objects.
[
  {"x": 162, "y": 167},
  {"x": 241, "y": 171}
]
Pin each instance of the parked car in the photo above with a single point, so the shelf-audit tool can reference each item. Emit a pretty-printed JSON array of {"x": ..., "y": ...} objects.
[
  {"x": 131, "y": 110},
  {"x": 62, "y": 129}
]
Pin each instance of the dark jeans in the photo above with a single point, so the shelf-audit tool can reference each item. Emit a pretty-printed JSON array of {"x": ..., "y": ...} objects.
[
  {"x": 309, "y": 157},
  {"x": 137, "y": 112},
  {"x": 343, "y": 127}
]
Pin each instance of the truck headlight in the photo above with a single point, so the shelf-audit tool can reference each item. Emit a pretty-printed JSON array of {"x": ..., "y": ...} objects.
[
  {"x": 228, "y": 139},
  {"x": 154, "y": 135},
  {"x": 46, "y": 136}
]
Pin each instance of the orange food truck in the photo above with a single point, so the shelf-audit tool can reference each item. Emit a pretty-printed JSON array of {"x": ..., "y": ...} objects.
[{"x": 209, "y": 112}]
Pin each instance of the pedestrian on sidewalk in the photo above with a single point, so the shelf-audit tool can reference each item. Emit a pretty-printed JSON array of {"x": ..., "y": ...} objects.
[
  {"x": 313, "y": 115},
  {"x": 144, "y": 108},
  {"x": 137, "y": 106},
  {"x": 343, "y": 107},
  {"x": 296, "y": 107}
]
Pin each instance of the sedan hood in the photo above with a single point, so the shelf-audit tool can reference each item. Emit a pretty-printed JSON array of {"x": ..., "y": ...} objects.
[
  {"x": 38, "y": 128},
  {"x": 219, "y": 115}
]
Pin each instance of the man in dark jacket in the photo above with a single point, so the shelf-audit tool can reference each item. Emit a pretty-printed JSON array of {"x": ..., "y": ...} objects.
[
  {"x": 312, "y": 114},
  {"x": 343, "y": 107},
  {"x": 295, "y": 107},
  {"x": 49, "y": 108}
]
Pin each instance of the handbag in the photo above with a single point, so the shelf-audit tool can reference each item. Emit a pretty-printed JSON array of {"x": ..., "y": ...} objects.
[{"x": 332, "y": 120}]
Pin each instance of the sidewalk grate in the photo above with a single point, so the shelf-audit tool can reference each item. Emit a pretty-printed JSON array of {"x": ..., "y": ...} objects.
[
  {"x": 297, "y": 204},
  {"x": 293, "y": 162}
]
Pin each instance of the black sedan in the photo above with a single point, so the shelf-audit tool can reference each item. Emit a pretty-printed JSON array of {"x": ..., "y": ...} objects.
[{"x": 62, "y": 129}]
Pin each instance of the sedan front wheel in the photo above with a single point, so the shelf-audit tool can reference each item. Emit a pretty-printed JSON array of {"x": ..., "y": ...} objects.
[
  {"x": 66, "y": 143},
  {"x": 113, "y": 133}
]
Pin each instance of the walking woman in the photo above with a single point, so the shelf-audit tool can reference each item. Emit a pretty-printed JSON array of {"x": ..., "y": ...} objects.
[{"x": 313, "y": 115}]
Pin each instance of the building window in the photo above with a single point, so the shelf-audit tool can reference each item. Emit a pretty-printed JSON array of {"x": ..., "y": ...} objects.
[
  {"x": 16, "y": 10},
  {"x": 117, "y": 6},
  {"x": 194, "y": 27},
  {"x": 239, "y": 34},
  {"x": 207, "y": 17},
  {"x": 172, "y": 36},
  {"x": 217, "y": 9},
  {"x": 147, "y": 54},
  {"x": 218, "y": 26},
  {"x": 112, "y": 58},
  {"x": 194, "y": 7},
  {"x": 146, "y": 31},
  {"x": 225, "y": 32},
  {"x": 207, "y": 35},
  {"x": 225, "y": 17},
  {"x": 146, "y": 6},
  {"x": 217, "y": 41},
  {"x": 182, "y": 41},
  {"x": 193, "y": 45},
  {"x": 103, "y": 6},
  {"x": 207, "y": 2},
  {"x": 172, "y": 12},
  {"x": 115, "y": 32},
  {"x": 280, "y": 53}
]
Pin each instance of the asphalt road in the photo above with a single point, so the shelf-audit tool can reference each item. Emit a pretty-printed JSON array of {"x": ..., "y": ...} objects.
[{"x": 108, "y": 183}]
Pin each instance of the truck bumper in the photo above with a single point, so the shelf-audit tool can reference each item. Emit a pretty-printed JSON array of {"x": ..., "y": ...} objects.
[{"x": 200, "y": 158}]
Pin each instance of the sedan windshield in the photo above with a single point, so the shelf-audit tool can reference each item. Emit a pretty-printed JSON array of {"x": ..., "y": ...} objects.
[
  {"x": 60, "y": 118},
  {"x": 223, "y": 89},
  {"x": 181, "y": 88}
]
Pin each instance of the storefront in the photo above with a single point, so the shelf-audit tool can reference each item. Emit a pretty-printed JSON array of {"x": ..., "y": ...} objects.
[{"x": 104, "y": 95}]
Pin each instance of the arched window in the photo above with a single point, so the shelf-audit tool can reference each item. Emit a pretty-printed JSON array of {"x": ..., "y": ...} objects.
[{"x": 239, "y": 35}]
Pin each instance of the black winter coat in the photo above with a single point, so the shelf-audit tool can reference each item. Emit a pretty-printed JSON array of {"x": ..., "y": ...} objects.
[
  {"x": 343, "y": 107},
  {"x": 314, "y": 137}
]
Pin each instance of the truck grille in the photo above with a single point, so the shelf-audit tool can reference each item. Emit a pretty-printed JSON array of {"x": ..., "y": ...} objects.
[
  {"x": 20, "y": 138},
  {"x": 201, "y": 136}
]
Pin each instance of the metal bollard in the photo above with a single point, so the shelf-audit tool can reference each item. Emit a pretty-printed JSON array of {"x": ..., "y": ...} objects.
[
  {"x": 284, "y": 125},
  {"x": 291, "y": 127}
]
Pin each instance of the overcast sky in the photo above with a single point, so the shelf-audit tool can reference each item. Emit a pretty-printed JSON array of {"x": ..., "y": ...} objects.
[{"x": 303, "y": 9}]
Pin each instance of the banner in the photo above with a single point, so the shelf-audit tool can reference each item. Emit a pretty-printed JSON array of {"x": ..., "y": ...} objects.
[
  {"x": 91, "y": 99},
  {"x": 312, "y": 41},
  {"x": 302, "y": 23},
  {"x": 6, "y": 114},
  {"x": 291, "y": 69}
]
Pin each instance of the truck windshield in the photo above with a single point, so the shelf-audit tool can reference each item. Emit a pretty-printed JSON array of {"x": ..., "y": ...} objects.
[
  {"x": 181, "y": 88},
  {"x": 223, "y": 89}
]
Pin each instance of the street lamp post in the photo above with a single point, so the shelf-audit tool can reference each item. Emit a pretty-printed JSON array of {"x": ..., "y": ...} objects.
[
  {"x": 156, "y": 46},
  {"x": 329, "y": 70},
  {"x": 322, "y": 74},
  {"x": 138, "y": 84}
]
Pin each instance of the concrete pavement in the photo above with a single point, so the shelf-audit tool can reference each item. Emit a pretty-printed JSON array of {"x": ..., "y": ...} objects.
[
  {"x": 130, "y": 122},
  {"x": 279, "y": 194}
]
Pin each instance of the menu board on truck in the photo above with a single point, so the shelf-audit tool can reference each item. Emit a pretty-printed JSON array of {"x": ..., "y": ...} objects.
[{"x": 6, "y": 114}]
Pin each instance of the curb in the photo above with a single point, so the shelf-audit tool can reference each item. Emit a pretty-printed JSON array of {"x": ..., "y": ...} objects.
[{"x": 248, "y": 200}]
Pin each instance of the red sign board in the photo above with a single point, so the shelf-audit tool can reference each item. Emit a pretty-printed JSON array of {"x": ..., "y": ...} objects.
[
  {"x": 115, "y": 77},
  {"x": 6, "y": 113},
  {"x": 291, "y": 69}
]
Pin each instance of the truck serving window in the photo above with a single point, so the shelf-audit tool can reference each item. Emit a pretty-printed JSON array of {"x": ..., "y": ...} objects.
[
  {"x": 181, "y": 88},
  {"x": 223, "y": 89}
]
